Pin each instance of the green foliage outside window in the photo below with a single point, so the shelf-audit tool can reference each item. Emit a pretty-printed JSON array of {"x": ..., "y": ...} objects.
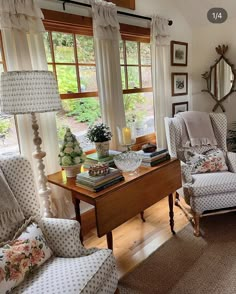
[
  {"x": 4, "y": 126},
  {"x": 88, "y": 109},
  {"x": 83, "y": 110}
]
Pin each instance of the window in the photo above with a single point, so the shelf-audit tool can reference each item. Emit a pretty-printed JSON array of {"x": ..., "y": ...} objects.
[
  {"x": 135, "y": 59},
  {"x": 8, "y": 134},
  {"x": 71, "y": 57}
]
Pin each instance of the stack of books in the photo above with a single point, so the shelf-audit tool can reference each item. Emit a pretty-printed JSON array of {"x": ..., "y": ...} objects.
[
  {"x": 154, "y": 158},
  {"x": 99, "y": 183},
  {"x": 92, "y": 159}
]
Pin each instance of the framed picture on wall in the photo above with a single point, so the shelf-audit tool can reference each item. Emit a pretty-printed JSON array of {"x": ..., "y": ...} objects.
[
  {"x": 179, "y": 53},
  {"x": 179, "y": 83},
  {"x": 179, "y": 107}
]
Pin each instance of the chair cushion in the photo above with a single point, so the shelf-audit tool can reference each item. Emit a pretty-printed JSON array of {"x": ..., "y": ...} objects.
[
  {"x": 210, "y": 161},
  {"x": 85, "y": 274},
  {"x": 21, "y": 256},
  {"x": 212, "y": 183}
]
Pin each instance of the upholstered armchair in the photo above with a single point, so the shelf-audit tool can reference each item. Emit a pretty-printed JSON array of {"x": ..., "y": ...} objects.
[
  {"x": 72, "y": 268},
  {"x": 206, "y": 191}
]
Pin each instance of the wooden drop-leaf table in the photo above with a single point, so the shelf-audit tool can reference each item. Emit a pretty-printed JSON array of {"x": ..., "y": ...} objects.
[{"x": 120, "y": 202}]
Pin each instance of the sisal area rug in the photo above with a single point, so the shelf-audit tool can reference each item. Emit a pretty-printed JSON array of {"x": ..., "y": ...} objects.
[{"x": 189, "y": 265}]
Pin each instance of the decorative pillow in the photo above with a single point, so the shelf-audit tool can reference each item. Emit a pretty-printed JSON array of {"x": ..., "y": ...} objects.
[
  {"x": 210, "y": 161},
  {"x": 20, "y": 257}
]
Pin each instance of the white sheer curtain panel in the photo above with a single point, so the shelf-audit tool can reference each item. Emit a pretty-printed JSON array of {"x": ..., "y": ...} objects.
[
  {"x": 106, "y": 37},
  {"x": 22, "y": 28},
  {"x": 160, "y": 50}
]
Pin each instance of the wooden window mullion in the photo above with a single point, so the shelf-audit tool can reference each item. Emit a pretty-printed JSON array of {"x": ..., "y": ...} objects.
[
  {"x": 3, "y": 54},
  {"x": 52, "y": 54},
  {"x": 77, "y": 64},
  {"x": 125, "y": 65},
  {"x": 139, "y": 66}
]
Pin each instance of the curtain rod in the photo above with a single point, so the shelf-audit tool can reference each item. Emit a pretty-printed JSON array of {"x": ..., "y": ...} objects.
[{"x": 170, "y": 22}]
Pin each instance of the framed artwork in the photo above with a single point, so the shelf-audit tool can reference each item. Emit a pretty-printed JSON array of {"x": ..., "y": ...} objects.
[
  {"x": 179, "y": 107},
  {"x": 179, "y": 83},
  {"x": 179, "y": 53},
  {"x": 130, "y": 4}
]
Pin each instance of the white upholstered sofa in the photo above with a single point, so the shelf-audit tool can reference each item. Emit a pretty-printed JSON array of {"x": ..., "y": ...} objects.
[{"x": 72, "y": 268}]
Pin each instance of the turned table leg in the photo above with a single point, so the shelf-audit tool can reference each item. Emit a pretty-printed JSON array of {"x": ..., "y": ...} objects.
[
  {"x": 171, "y": 212},
  {"x": 110, "y": 240},
  {"x": 142, "y": 216},
  {"x": 76, "y": 203},
  {"x": 196, "y": 229}
]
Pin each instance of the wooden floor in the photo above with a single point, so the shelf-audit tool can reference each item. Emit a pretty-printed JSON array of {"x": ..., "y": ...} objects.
[{"x": 134, "y": 241}]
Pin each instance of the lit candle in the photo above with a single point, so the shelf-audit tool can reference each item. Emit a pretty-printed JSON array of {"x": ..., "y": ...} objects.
[{"x": 126, "y": 133}]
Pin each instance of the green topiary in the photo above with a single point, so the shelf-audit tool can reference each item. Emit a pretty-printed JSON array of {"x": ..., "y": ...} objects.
[{"x": 71, "y": 153}]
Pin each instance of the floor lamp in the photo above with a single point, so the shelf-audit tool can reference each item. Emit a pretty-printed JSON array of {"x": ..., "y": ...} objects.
[{"x": 23, "y": 92}]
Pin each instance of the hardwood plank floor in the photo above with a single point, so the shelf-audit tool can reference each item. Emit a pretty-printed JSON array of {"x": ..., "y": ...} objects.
[{"x": 135, "y": 240}]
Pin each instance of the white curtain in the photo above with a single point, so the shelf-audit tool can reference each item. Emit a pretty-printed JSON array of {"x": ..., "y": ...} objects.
[
  {"x": 160, "y": 50},
  {"x": 22, "y": 28},
  {"x": 106, "y": 37}
]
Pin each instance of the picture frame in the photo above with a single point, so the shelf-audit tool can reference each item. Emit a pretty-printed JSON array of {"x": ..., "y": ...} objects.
[
  {"x": 130, "y": 4},
  {"x": 179, "y": 53},
  {"x": 179, "y": 107},
  {"x": 179, "y": 83}
]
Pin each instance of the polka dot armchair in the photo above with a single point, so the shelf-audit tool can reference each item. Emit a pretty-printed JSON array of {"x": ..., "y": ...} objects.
[
  {"x": 72, "y": 269},
  {"x": 207, "y": 191}
]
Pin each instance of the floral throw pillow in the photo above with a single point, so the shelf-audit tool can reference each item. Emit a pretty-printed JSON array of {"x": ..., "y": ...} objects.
[
  {"x": 20, "y": 257},
  {"x": 211, "y": 161}
]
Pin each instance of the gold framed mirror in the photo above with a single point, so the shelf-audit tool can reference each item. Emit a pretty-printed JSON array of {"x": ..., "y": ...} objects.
[{"x": 220, "y": 78}]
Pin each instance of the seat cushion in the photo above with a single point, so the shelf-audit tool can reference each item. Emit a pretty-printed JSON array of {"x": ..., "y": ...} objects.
[
  {"x": 212, "y": 183},
  {"x": 85, "y": 274}
]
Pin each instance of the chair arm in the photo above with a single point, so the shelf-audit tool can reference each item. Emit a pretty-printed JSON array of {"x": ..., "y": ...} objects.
[
  {"x": 186, "y": 173},
  {"x": 231, "y": 161},
  {"x": 63, "y": 237}
]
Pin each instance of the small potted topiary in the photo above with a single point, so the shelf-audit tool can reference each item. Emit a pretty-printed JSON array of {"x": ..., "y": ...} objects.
[
  {"x": 100, "y": 134},
  {"x": 71, "y": 155}
]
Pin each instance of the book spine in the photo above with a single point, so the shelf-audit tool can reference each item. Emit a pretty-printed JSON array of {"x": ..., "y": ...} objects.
[
  {"x": 155, "y": 153},
  {"x": 156, "y": 162},
  {"x": 87, "y": 181},
  {"x": 85, "y": 176},
  {"x": 150, "y": 159},
  {"x": 102, "y": 187},
  {"x": 107, "y": 185}
]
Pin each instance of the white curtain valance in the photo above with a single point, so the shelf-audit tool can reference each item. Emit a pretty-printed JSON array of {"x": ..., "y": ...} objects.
[
  {"x": 160, "y": 32},
  {"x": 105, "y": 21},
  {"x": 23, "y": 15}
]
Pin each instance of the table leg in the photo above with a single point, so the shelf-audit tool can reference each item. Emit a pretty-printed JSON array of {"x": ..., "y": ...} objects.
[
  {"x": 76, "y": 202},
  {"x": 171, "y": 212},
  {"x": 142, "y": 216},
  {"x": 110, "y": 240}
]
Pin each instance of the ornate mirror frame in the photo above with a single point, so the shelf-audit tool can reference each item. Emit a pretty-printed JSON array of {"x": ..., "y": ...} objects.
[{"x": 221, "y": 50}]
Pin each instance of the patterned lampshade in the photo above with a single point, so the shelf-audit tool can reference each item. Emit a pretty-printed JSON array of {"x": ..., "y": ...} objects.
[{"x": 28, "y": 92}]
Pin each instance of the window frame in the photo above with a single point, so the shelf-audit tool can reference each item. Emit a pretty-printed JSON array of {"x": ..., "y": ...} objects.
[
  {"x": 77, "y": 64},
  {"x": 81, "y": 25},
  {"x": 3, "y": 61}
]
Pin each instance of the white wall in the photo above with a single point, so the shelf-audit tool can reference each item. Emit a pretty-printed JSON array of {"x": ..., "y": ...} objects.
[
  {"x": 205, "y": 39},
  {"x": 180, "y": 30}
]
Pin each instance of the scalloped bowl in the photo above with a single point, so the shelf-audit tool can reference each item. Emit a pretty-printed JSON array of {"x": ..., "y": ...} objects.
[{"x": 128, "y": 161}]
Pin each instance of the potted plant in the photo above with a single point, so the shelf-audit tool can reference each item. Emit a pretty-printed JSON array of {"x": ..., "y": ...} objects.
[
  {"x": 100, "y": 134},
  {"x": 71, "y": 155}
]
